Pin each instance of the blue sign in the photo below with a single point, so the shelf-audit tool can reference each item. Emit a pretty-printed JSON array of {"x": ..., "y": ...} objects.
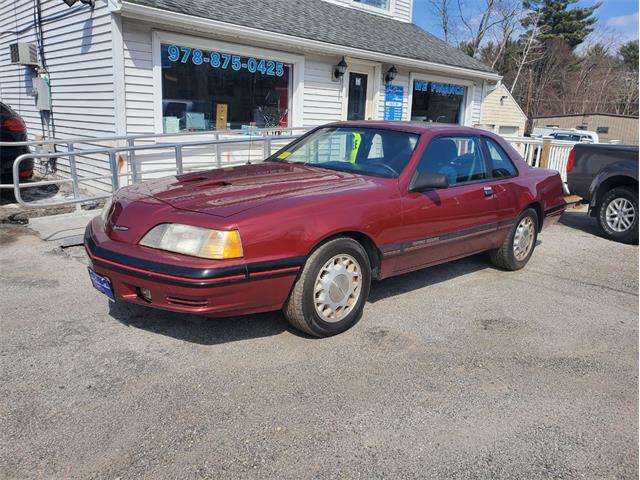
[
  {"x": 435, "y": 87},
  {"x": 393, "y": 99},
  {"x": 175, "y": 54}
]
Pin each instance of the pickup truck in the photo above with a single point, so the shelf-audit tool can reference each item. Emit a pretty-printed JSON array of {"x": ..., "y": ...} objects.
[{"x": 606, "y": 177}]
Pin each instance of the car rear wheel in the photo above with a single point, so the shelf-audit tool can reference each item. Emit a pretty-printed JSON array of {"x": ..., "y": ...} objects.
[
  {"x": 518, "y": 247},
  {"x": 618, "y": 215},
  {"x": 330, "y": 293}
]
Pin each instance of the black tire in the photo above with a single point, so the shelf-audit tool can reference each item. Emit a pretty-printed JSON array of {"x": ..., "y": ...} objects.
[
  {"x": 300, "y": 307},
  {"x": 630, "y": 235},
  {"x": 504, "y": 257}
]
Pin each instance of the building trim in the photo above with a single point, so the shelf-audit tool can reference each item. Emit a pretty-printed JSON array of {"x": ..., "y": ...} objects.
[
  {"x": 119, "y": 91},
  {"x": 591, "y": 114},
  {"x": 204, "y": 25}
]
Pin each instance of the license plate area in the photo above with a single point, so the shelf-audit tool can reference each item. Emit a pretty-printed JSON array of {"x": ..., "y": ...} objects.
[{"x": 102, "y": 284}]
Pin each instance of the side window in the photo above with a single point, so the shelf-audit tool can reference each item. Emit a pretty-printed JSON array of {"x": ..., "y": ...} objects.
[
  {"x": 460, "y": 159},
  {"x": 501, "y": 164}
]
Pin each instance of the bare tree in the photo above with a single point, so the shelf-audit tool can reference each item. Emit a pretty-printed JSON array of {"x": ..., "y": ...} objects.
[
  {"x": 528, "y": 52},
  {"x": 476, "y": 32},
  {"x": 442, "y": 7}
]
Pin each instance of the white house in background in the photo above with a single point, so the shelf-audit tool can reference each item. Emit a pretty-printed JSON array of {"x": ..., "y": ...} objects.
[
  {"x": 501, "y": 114},
  {"x": 150, "y": 66}
]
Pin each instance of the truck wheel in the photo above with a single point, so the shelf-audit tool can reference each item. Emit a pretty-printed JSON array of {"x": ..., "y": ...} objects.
[
  {"x": 517, "y": 248},
  {"x": 330, "y": 293},
  {"x": 618, "y": 215}
]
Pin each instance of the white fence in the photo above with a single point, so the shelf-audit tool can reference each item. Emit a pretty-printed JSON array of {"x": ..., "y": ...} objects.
[
  {"x": 101, "y": 165},
  {"x": 543, "y": 153}
]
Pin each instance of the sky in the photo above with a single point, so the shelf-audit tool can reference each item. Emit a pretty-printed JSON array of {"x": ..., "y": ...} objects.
[{"x": 617, "y": 19}]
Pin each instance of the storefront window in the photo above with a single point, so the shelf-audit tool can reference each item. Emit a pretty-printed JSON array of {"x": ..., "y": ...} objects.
[
  {"x": 209, "y": 90},
  {"x": 437, "y": 102}
]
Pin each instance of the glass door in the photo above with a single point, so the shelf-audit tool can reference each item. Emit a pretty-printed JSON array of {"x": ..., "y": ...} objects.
[{"x": 357, "y": 96}]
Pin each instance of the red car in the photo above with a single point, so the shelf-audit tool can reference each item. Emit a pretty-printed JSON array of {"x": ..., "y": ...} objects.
[{"x": 308, "y": 229}]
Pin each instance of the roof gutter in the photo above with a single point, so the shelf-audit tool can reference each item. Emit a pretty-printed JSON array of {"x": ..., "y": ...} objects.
[{"x": 205, "y": 25}]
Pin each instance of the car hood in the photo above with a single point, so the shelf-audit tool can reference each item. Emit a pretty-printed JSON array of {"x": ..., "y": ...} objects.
[{"x": 228, "y": 191}]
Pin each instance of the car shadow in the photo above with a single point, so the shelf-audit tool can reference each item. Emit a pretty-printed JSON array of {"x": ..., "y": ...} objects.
[
  {"x": 200, "y": 329},
  {"x": 429, "y": 276},
  {"x": 581, "y": 221},
  {"x": 212, "y": 331}
]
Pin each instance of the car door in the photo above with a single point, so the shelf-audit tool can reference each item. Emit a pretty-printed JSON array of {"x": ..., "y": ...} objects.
[
  {"x": 504, "y": 184},
  {"x": 448, "y": 223}
]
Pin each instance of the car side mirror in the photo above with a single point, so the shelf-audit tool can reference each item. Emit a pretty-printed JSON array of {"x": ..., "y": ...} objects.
[{"x": 428, "y": 180}]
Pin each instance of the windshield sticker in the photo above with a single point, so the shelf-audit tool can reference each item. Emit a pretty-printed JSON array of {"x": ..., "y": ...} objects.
[
  {"x": 284, "y": 155},
  {"x": 355, "y": 146}
]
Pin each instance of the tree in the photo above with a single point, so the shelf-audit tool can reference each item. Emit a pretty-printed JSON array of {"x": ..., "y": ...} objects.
[
  {"x": 555, "y": 20},
  {"x": 442, "y": 7},
  {"x": 629, "y": 54}
]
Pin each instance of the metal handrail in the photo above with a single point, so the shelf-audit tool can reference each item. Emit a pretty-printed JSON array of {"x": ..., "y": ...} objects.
[
  {"x": 114, "y": 175},
  {"x": 216, "y": 133}
]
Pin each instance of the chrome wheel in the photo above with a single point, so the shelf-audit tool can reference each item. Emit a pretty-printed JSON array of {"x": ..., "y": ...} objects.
[
  {"x": 337, "y": 288},
  {"x": 523, "y": 239},
  {"x": 620, "y": 215}
]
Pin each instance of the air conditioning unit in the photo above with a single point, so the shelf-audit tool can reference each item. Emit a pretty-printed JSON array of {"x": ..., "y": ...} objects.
[{"x": 24, "y": 53}]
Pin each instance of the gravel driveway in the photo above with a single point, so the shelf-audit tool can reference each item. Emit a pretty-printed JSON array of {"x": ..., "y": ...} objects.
[{"x": 458, "y": 371}]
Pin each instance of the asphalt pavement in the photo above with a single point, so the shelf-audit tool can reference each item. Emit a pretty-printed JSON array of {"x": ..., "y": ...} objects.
[{"x": 457, "y": 371}]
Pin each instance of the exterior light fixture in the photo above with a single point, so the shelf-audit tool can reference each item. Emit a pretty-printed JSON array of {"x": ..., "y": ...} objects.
[
  {"x": 71, "y": 3},
  {"x": 340, "y": 69},
  {"x": 391, "y": 74}
]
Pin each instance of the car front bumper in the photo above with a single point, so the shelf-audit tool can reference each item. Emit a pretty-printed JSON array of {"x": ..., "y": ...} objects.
[{"x": 238, "y": 289}]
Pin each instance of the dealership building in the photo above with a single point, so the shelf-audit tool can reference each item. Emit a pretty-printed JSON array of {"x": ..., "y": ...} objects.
[{"x": 126, "y": 67}]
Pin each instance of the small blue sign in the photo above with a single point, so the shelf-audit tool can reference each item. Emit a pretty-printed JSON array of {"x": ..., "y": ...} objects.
[{"x": 393, "y": 100}]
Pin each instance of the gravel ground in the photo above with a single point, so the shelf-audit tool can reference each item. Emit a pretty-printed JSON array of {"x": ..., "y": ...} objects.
[{"x": 458, "y": 371}]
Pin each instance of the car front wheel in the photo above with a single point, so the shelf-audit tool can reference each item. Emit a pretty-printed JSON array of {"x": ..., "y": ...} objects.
[
  {"x": 329, "y": 295},
  {"x": 618, "y": 215}
]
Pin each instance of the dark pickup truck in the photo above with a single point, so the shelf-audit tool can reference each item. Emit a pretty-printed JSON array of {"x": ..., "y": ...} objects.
[{"x": 606, "y": 177}]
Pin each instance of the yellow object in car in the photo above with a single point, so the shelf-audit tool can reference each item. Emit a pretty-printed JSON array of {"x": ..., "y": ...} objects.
[
  {"x": 284, "y": 155},
  {"x": 355, "y": 146}
]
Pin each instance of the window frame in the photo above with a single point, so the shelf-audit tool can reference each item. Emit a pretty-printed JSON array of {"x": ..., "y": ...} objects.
[
  {"x": 489, "y": 160},
  {"x": 296, "y": 80},
  {"x": 465, "y": 114},
  {"x": 483, "y": 156},
  {"x": 380, "y": 11}
]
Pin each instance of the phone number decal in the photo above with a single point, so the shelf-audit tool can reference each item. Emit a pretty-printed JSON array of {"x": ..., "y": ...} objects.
[{"x": 224, "y": 60}]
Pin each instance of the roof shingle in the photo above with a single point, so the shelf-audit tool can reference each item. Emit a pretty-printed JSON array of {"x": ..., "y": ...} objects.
[{"x": 329, "y": 23}]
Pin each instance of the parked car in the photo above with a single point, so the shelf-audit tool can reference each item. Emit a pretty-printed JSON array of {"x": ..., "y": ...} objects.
[
  {"x": 575, "y": 136},
  {"x": 606, "y": 177},
  {"x": 12, "y": 129},
  {"x": 308, "y": 229}
]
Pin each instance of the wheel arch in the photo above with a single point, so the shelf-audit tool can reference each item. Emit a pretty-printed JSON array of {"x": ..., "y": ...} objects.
[
  {"x": 373, "y": 252},
  {"x": 537, "y": 207},
  {"x": 608, "y": 184}
]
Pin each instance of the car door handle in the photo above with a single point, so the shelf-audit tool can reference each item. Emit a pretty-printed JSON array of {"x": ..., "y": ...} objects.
[{"x": 488, "y": 191}]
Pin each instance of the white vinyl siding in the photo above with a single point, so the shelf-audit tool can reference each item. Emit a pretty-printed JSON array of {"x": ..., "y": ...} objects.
[
  {"x": 78, "y": 52},
  {"x": 322, "y": 95},
  {"x": 138, "y": 78}
]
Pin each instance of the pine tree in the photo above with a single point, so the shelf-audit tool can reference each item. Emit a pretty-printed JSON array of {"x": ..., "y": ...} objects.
[{"x": 557, "y": 21}]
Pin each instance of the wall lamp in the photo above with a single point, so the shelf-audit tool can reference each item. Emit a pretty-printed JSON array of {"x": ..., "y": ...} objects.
[
  {"x": 71, "y": 3},
  {"x": 391, "y": 74},
  {"x": 340, "y": 69}
]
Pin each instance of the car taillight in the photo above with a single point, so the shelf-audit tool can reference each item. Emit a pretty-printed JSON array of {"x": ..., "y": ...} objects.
[
  {"x": 571, "y": 160},
  {"x": 14, "y": 124}
]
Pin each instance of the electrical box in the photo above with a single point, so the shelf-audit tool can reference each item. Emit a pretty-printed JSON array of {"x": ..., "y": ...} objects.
[
  {"x": 42, "y": 92},
  {"x": 24, "y": 53}
]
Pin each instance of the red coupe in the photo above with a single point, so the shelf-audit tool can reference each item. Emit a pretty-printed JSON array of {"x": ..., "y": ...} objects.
[{"x": 309, "y": 228}]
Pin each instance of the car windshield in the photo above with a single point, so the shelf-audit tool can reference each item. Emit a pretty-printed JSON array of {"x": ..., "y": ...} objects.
[{"x": 369, "y": 151}]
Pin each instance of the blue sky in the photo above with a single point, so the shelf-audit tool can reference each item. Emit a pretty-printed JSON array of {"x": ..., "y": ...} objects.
[{"x": 617, "y": 19}]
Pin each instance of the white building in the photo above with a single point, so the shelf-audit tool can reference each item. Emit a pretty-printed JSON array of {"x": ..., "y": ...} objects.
[{"x": 147, "y": 66}]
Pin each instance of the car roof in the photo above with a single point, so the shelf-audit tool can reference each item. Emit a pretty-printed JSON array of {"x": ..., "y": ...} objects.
[{"x": 407, "y": 126}]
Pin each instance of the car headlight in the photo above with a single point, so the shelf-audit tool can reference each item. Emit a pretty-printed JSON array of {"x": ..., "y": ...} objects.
[
  {"x": 105, "y": 209},
  {"x": 194, "y": 241}
]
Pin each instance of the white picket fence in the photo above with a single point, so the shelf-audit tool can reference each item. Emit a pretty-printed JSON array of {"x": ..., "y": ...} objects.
[{"x": 532, "y": 151}]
